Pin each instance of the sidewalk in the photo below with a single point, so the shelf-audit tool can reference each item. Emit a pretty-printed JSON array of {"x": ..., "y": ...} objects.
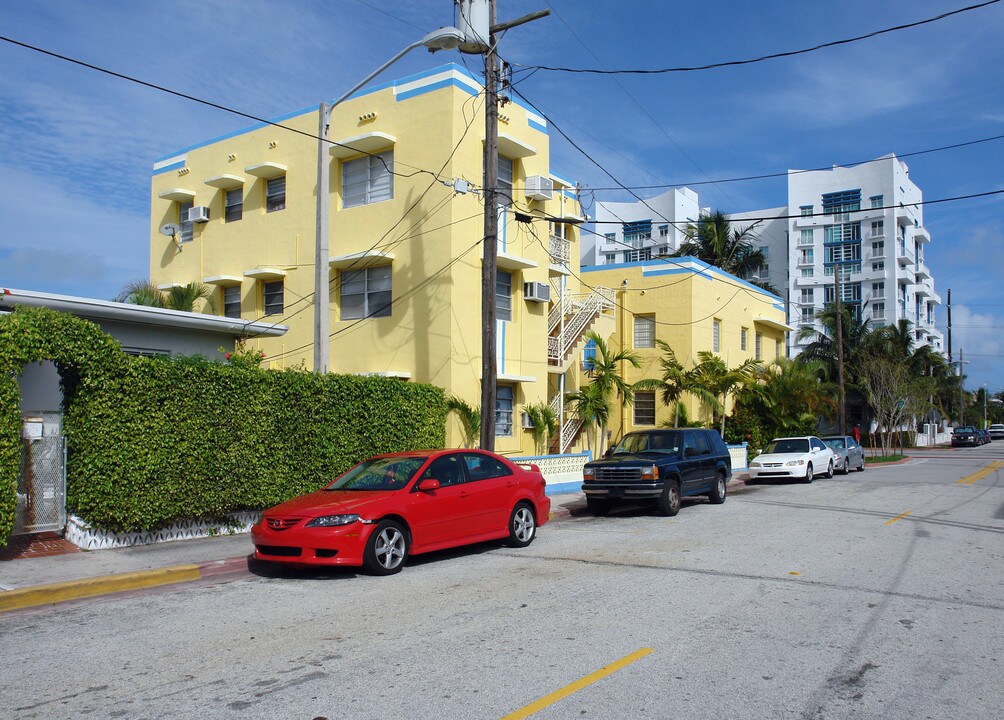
[{"x": 43, "y": 580}]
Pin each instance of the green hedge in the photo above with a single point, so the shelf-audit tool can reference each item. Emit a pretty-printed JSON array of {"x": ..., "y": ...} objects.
[{"x": 152, "y": 441}]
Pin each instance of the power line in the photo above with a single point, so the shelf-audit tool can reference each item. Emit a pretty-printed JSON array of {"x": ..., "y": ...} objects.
[
  {"x": 956, "y": 198},
  {"x": 332, "y": 286},
  {"x": 786, "y": 173},
  {"x": 211, "y": 104},
  {"x": 762, "y": 58},
  {"x": 403, "y": 296}
]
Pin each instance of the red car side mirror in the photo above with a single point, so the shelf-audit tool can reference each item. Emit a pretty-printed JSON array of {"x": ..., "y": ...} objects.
[{"x": 428, "y": 484}]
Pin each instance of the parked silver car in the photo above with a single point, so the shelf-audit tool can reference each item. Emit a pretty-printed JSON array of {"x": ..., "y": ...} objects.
[{"x": 847, "y": 453}]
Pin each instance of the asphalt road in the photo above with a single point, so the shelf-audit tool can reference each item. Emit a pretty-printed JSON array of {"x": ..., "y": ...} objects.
[{"x": 872, "y": 595}]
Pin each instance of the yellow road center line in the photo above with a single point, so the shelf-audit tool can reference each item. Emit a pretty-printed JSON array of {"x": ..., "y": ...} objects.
[
  {"x": 980, "y": 474},
  {"x": 577, "y": 685},
  {"x": 898, "y": 517}
]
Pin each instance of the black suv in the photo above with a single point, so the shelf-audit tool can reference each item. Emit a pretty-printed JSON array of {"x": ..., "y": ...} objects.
[
  {"x": 965, "y": 435},
  {"x": 660, "y": 465}
]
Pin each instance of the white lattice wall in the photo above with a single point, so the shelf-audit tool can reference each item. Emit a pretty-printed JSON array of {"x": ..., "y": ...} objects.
[
  {"x": 563, "y": 473},
  {"x": 84, "y": 536}
]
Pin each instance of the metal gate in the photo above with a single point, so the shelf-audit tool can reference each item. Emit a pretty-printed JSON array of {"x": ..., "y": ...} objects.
[{"x": 41, "y": 485}]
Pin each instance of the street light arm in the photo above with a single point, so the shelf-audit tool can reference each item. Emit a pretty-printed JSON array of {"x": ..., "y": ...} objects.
[{"x": 447, "y": 38}]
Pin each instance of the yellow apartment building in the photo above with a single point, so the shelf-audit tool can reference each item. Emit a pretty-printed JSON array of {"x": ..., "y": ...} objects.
[
  {"x": 693, "y": 307},
  {"x": 239, "y": 213}
]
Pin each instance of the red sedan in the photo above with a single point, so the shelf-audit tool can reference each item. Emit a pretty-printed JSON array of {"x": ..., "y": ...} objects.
[{"x": 391, "y": 506}]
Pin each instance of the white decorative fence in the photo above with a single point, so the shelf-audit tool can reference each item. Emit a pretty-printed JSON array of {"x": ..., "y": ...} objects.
[
  {"x": 84, "y": 536},
  {"x": 739, "y": 457},
  {"x": 563, "y": 473}
]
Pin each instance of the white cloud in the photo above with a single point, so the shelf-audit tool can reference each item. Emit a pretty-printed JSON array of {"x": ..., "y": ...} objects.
[{"x": 52, "y": 240}]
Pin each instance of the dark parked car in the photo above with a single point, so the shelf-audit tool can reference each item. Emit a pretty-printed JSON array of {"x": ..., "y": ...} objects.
[
  {"x": 984, "y": 436},
  {"x": 847, "y": 452},
  {"x": 965, "y": 435},
  {"x": 659, "y": 465}
]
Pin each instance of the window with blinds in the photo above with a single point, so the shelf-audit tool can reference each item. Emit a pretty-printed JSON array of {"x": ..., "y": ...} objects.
[
  {"x": 232, "y": 301},
  {"x": 503, "y": 295},
  {"x": 368, "y": 179},
  {"x": 273, "y": 297},
  {"x": 275, "y": 194},
  {"x": 505, "y": 177},
  {"x": 187, "y": 226},
  {"x": 234, "y": 205},
  {"x": 644, "y": 331},
  {"x": 644, "y": 407},
  {"x": 366, "y": 293},
  {"x": 504, "y": 404}
]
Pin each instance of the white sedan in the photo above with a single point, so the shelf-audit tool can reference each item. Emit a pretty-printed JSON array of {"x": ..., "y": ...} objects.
[{"x": 794, "y": 457}]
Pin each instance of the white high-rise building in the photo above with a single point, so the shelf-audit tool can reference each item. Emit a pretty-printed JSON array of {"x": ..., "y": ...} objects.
[
  {"x": 639, "y": 231},
  {"x": 866, "y": 224}
]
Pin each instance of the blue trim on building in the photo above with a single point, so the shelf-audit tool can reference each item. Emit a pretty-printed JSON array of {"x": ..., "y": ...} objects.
[
  {"x": 167, "y": 168},
  {"x": 502, "y": 347},
  {"x": 702, "y": 266},
  {"x": 448, "y": 82},
  {"x": 536, "y": 125},
  {"x": 235, "y": 133}
]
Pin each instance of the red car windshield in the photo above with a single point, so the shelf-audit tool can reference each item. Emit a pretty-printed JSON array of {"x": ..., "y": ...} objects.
[{"x": 379, "y": 474}]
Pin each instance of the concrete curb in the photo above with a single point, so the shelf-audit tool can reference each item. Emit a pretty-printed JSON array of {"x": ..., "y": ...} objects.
[
  {"x": 91, "y": 587},
  {"x": 572, "y": 505}
]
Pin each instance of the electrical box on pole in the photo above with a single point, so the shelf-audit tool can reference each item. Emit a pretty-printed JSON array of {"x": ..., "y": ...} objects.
[{"x": 474, "y": 21}]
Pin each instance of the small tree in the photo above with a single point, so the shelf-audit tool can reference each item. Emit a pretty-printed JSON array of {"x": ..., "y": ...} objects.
[
  {"x": 545, "y": 424},
  {"x": 893, "y": 393},
  {"x": 713, "y": 381},
  {"x": 605, "y": 374},
  {"x": 674, "y": 381},
  {"x": 470, "y": 420},
  {"x": 591, "y": 410}
]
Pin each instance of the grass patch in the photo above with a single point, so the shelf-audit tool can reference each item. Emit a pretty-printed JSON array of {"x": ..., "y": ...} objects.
[{"x": 884, "y": 459}]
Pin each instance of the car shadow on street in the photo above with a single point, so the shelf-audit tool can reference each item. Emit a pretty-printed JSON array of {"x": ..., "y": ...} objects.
[
  {"x": 640, "y": 508},
  {"x": 265, "y": 569}
]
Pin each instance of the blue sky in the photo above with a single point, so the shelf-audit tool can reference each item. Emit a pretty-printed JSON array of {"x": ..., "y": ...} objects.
[{"x": 78, "y": 145}]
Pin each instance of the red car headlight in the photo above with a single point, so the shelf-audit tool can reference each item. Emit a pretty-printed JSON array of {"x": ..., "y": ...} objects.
[{"x": 332, "y": 520}]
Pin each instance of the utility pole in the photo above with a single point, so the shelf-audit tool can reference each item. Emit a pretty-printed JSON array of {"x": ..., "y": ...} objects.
[
  {"x": 489, "y": 262},
  {"x": 476, "y": 18},
  {"x": 949, "y": 327},
  {"x": 962, "y": 393},
  {"x": 322, "y": 312}
]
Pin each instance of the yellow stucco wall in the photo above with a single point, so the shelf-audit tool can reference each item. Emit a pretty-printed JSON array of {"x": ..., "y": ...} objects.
[
  {"x": 684, "y": 297},
  {"x": 434, "y": 124}
]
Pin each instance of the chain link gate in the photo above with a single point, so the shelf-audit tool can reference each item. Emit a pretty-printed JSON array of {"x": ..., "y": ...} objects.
[{"x": 41, "y": 486}]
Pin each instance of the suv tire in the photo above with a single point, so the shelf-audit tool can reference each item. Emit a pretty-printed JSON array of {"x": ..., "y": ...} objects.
[{"x": 669, "y": 502}]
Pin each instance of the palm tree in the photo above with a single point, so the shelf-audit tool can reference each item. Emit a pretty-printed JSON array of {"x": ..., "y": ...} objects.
[
  {"x": 717, "y": 242},
  {"x": 141, "y": 292},
  {"x": 180, "y": 297},
  {"x": 184, "y": 297},
  {"x": 604, "y": 372},
  {"x": 591, "y": 410},
  {"x": 545, "y": 424},
  {"x": 788, "y": 397},
  {"x": 469, "y": 417},
  {"x": 674, "y": 382},
  {"x": 713, "y": 381}
]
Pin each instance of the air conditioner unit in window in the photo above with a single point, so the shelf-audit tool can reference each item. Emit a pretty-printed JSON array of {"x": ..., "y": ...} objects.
[
  {"x": 539, "y": 187},
  {"x": 198, "y": 214},
  {"x": 537, "y": 292},
  {"x": 527, "y": 422}
]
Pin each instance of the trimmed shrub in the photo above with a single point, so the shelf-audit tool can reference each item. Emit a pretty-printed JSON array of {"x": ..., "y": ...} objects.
[{"x": 153, "y": 440}]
